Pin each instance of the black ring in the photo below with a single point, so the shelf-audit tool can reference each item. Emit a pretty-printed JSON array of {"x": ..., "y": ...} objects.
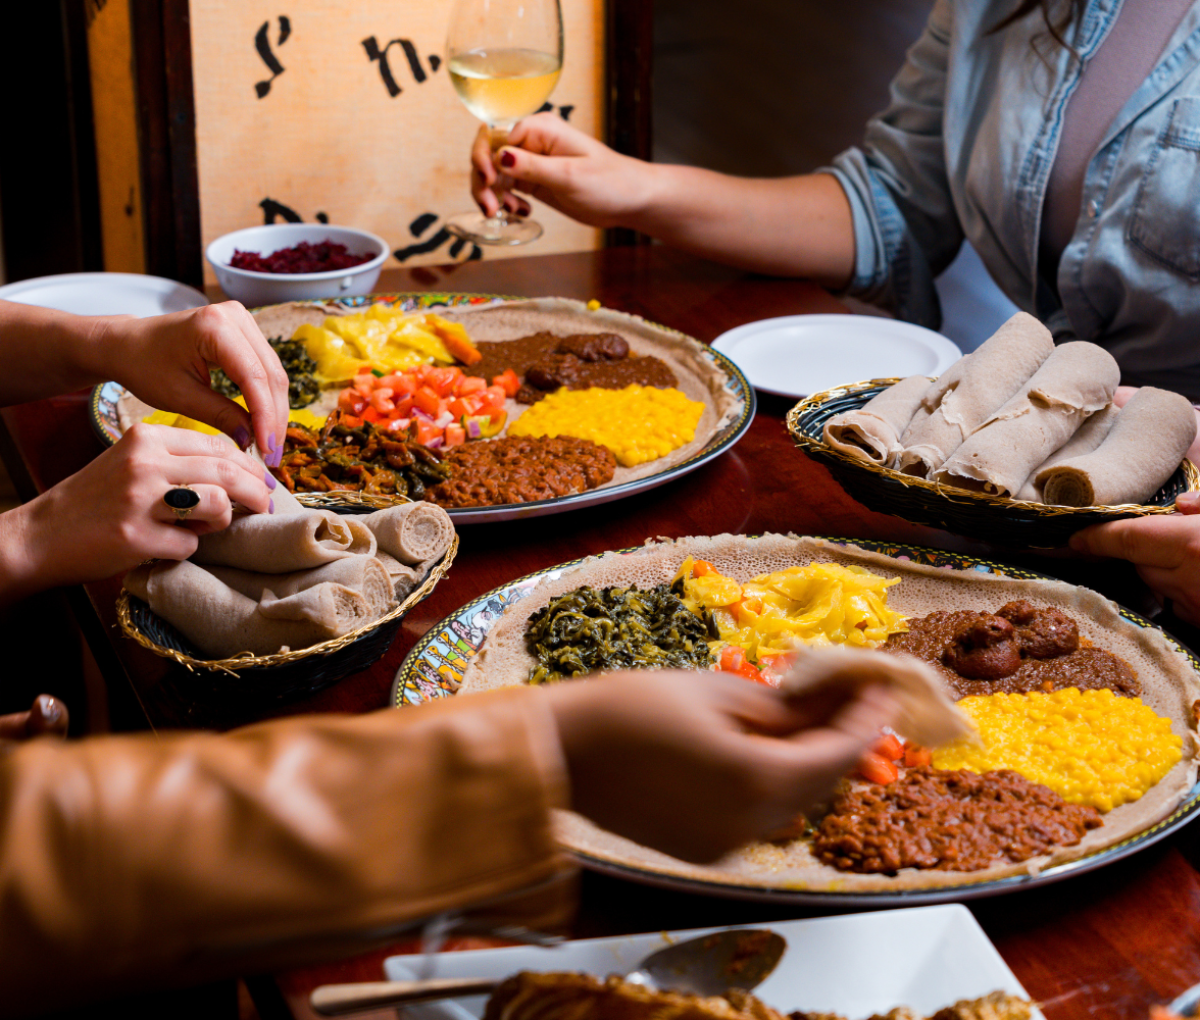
[{"x": 182, "y": 498}]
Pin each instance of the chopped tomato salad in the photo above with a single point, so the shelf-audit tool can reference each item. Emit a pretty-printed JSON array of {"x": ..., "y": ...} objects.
[{"x": 445, "y": 406}]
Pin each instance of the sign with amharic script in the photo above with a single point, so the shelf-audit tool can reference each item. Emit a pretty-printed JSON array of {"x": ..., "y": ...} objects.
[{"x": 314, "y": 110}]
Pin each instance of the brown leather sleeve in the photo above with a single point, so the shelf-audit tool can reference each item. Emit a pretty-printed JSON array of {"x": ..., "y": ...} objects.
[{"x": 141, "y": 860}]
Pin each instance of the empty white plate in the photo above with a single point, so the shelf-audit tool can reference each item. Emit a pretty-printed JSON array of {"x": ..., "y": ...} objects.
[
  {"x": 798, "y": 355},
  {"x": 105, "y": 294}
]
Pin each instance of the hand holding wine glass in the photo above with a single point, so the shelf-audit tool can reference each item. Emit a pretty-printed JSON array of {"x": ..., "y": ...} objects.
[{"x": 504, "y": 58}]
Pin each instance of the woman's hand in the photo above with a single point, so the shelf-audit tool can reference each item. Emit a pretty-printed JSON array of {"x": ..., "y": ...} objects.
[
  {"x": 164, "y": 360},
  {"x": 1164, "y": 548},
  {"x": 555, "y": 163},
  {"x": 695, "y": 764},
  {"x": 110, "y": 516},
  {"x": 746, "y": 222}
]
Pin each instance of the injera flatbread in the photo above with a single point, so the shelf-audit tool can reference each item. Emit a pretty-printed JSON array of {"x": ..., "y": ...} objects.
[
  {"x": 1141, "y": 451},
  {"x": 967, "y": 393},
  {"x": 872, "y": 432},
  {"x": 698, "y": 376},
  {"x": 1170, "y": 684},
  {"x": 223, "y": 623},
  {"x": 1076, "y": 381},
  {"x": 413, "y": 533},
  {"x": 282, "y": 543},
  {"x": 1089, "y": 436},
  {"x": 363, "y": 574},
  {"x": 926, "y": 714}
]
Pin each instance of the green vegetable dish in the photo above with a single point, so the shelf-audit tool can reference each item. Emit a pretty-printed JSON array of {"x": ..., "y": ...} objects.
[
  {"x": 586, "y": 630},
  {"x": 302, "y": 384}
]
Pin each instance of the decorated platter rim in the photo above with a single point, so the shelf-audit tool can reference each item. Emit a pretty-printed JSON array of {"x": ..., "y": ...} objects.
[
  {"x": 431, "y": 671},
  {"x": 105, "y": 423}
]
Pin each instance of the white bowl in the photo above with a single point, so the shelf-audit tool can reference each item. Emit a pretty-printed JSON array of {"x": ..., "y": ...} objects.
[{"x": 254, "y": 289}]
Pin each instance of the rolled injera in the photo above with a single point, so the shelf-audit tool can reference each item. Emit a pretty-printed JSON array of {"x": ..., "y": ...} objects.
[
  {"x": 285, "y": 502},
  {"x": 279, "y": 544},
  {"x": 972, "y": 390},
  {"x": 1089, "y": 435},
  {"x": 1152, "y": 433},
  {"x": 222, "y": 623},
  {"x": 412, "y": 532},
  {"x": 872, "y": 432},
  {"x": 1076, "y": 381},
  {"x": 403, "y": 577},
  {"x": 365, "y": 574}
]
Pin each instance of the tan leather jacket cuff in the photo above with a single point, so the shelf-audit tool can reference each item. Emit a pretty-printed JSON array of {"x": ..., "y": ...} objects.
[{"x": 136, "y": 859}]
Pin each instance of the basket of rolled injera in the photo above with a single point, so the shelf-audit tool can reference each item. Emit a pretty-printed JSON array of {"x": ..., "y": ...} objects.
[
  {"x": 280, "y": 605},
  {"x": 1141, "y": 458}
]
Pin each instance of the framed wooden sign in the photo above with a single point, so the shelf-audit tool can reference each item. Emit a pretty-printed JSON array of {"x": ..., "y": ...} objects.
[{"x": 253, "y": 112}]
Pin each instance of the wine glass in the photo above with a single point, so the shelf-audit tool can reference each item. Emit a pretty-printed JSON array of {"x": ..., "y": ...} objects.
[{"x": 504, "y": 58}]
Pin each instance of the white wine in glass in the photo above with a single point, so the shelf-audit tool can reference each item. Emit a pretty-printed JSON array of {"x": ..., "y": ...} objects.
[{"x": 504, "y": 58}]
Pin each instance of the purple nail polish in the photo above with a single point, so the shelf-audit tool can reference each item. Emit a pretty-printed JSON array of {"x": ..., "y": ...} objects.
[
  {"x": 270, "y": 480},
  {"x": 241, "y": 436},
  {"x": 276, "y": 458},
  {"x": 270, "y": 506}
]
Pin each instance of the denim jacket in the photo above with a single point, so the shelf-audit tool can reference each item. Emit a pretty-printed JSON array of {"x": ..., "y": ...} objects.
[{"x": 965, "y": 150}]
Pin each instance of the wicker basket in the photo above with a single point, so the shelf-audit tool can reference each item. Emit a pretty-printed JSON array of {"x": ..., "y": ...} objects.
[
  {"x": 977, "y": 515},
  {"x": 284, "y": 674}
]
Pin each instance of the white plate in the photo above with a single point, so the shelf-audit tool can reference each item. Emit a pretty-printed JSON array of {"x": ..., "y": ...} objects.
[
  {"x": 105, "y": 294},
  {"x": 856, "y": 965},
  {"x": 798, "y": 355}
]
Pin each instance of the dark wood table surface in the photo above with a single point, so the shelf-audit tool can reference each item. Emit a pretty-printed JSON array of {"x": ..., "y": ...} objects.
[{"x": 1105, "y": 944}]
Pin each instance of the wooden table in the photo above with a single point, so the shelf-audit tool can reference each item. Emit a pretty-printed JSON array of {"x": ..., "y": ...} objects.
[{"x": 1101, "y": 945}]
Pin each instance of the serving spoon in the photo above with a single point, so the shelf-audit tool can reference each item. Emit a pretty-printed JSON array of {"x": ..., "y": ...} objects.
[{"x": 740, "y": 958}]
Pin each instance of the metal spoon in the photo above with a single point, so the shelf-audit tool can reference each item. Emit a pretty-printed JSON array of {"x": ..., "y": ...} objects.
[{"x": 711, "y": 964}]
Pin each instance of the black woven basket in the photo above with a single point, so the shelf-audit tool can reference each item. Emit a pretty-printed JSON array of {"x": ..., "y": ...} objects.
[
  {"x": 265, "y": 683},
  {"x": 283, "y": 675},
  {"x": 1003, "y": 521}
]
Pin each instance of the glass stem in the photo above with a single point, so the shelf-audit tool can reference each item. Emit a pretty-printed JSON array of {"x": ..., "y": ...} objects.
[{"x": 497, "y": 139}]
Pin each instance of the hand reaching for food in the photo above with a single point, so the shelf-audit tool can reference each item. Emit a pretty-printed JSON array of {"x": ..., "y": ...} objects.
[
  {"x": 150, "y": 495},
  {"x": 557, "y": 164},
  {"x": 164, "y": 360},
  {"x": 696, "y": 764}
]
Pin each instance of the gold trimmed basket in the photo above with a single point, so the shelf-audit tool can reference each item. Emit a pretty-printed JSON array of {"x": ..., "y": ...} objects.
[
  {"x": 974, "y": 514},
  {"x": 283, "y": 674}
]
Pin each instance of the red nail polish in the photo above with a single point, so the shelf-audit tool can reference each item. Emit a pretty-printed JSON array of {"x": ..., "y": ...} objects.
[{"x": 507, "y": 159}]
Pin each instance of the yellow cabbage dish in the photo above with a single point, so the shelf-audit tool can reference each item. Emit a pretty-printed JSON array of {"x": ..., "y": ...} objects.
[
  {"x": 382, "y": 338},
  {"x": 817, "y": 604}
]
